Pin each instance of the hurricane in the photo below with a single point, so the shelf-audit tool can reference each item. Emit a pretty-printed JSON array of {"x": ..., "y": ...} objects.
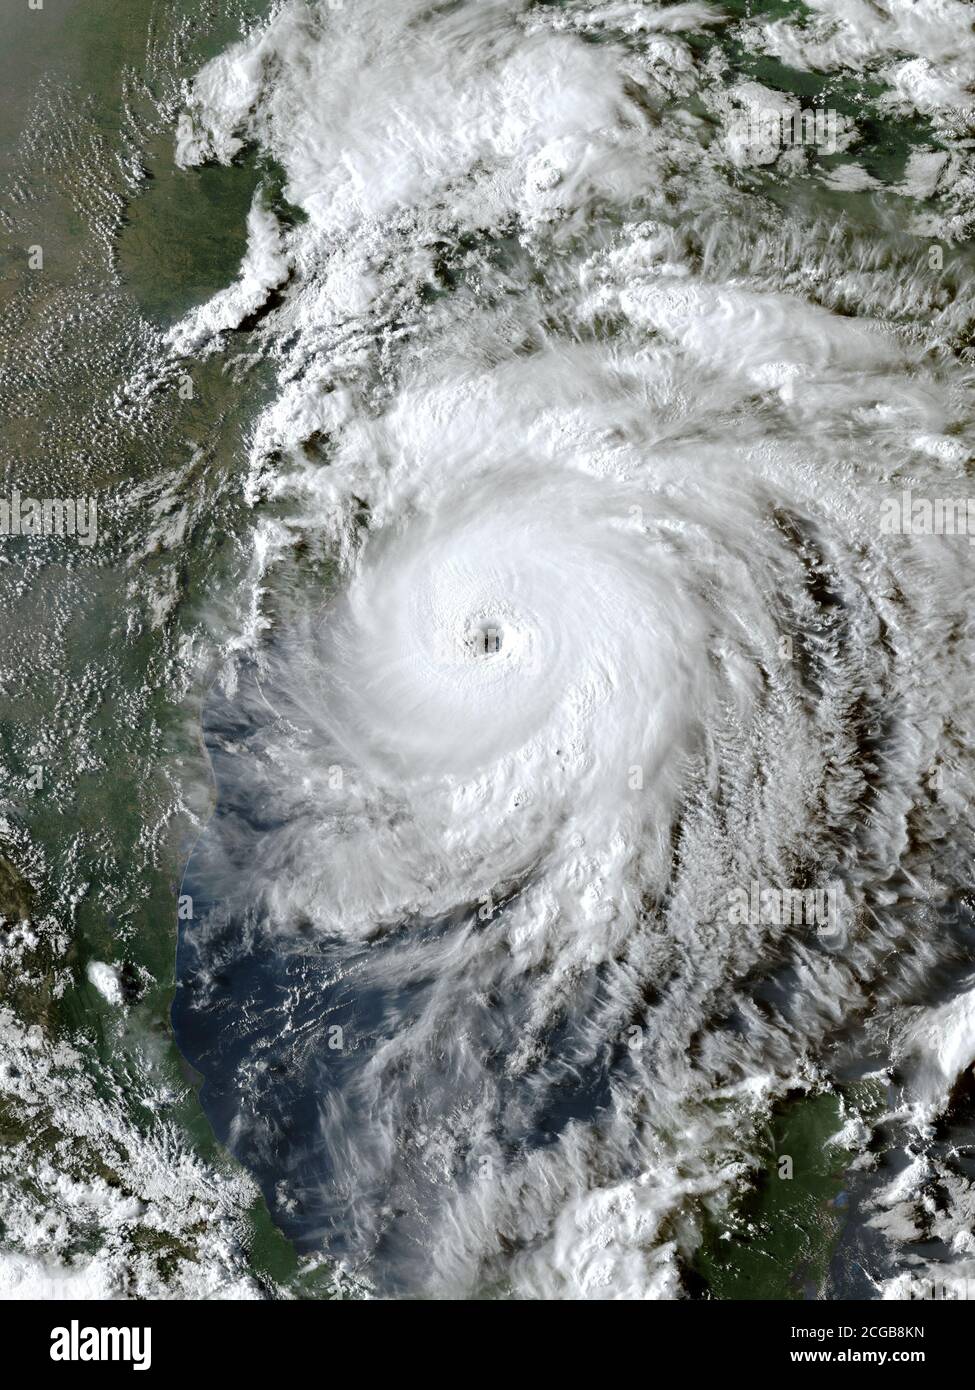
[{"x": 592, "y": 763}]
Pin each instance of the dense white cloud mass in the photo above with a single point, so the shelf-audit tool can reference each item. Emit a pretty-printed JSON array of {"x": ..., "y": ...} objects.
[{"x": 592, "y": 447}]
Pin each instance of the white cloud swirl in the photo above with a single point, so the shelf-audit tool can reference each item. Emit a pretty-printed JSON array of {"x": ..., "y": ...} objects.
[{"x": 648, "y": 481}]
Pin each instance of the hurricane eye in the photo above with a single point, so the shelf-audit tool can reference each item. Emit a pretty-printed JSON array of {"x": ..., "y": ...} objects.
[{"x": 487, "y": 639}]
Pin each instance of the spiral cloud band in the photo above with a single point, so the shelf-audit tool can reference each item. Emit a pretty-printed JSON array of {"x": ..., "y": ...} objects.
[{"x": 575, "y": 627}]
